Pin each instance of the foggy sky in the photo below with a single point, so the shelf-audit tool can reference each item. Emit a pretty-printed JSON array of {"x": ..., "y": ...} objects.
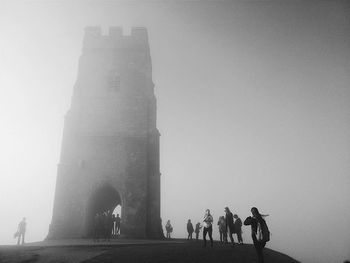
[{"x": 253, "y": 110}]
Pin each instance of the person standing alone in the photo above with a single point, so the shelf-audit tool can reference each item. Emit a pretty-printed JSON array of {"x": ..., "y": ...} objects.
[
  {"x": 189, "y": 229},
  {"x": 21, "y": 231}
]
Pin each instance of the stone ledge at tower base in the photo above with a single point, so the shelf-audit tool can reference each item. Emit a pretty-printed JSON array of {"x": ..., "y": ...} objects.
[{"x": 132, "y": 250}]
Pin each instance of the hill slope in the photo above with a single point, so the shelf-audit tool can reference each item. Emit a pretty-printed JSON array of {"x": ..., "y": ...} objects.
[
  {"x": 170, "y": 252},
  {"x": 189, "y": 252}
]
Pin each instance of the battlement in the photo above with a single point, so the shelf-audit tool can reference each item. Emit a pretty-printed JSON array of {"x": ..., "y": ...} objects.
[{"x": 94, "y": 38}]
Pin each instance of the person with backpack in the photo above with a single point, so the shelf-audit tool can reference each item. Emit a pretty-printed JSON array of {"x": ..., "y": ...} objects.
[
  {"x": 238, "y": 228},
  {"x": 260, "y": 232},
  {"x": 169, "y": 229}
]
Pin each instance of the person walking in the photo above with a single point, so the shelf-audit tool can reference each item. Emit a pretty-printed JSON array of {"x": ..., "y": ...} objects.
[
  {"x": 21, "y": 231},
  {"x": 197, "y": 230},
  {"x": 260, "y": 232},
  {"x": 222, "y": 229},
  {"x": 229, "y": 224},
  {"x": 189, "y": 229},
  {"x": 238, "y": 228},
  {"x": 207, "y": 227},
  {"x": 169, "y": 229}
]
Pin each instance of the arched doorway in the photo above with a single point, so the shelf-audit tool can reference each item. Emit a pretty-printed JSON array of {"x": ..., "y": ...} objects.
[{"x": 105, "y": 199}]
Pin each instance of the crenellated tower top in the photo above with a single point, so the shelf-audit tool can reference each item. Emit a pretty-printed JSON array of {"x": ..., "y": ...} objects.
[{"x": 115, "y": 38}]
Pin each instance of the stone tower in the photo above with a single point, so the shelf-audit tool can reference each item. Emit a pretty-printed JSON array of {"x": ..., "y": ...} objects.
[{"x": 110, "y": 146}]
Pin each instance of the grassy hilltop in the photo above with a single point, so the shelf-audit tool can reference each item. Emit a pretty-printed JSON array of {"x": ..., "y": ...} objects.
[{"x": 162, "y": 252}]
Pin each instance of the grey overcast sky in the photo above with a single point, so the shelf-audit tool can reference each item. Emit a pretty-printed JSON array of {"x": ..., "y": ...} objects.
[{"x": 253, "y": 109}]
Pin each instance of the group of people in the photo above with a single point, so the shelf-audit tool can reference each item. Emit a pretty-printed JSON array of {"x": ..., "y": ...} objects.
[
  {"x": 106, "y": 226},
  {"x": 229, "y": 225}
]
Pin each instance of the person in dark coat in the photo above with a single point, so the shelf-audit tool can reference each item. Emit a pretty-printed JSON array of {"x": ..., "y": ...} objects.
[
  {"x": 189, "y": 229},
  {"x": 229, "y": 224},
  {"x": 257, "y": 223},
  {"x": 238, "y": 228}
]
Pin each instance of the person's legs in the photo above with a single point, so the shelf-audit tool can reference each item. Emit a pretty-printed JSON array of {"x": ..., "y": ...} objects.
[
  {"x": 19, "y": 238},
  {"x": 230, "y": 230},
  {"x": 239, "y": 237},
  {"x": 23, "y": 234},
  {"x": 259, "y": 246},
  {"x": 210, "y": 231},
  {"x": 205, "y": 230},
  {"x": 225, "y": 236},
  {"x": 221, "y": 235}
]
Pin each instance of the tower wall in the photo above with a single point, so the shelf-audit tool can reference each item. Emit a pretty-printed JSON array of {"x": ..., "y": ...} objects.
[{"x": 110, "y": 138}]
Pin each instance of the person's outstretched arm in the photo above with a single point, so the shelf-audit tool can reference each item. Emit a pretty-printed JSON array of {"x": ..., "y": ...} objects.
[{"x": 248, "y": 221}]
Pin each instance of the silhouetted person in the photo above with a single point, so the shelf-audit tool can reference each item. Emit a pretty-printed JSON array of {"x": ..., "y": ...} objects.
[
  {"x": 229, "y": 224},
  {"x": 168, "y": 229},
  {"x": 207, "y": 227},
  {"x": 189, "y": 229},
  {"x": 197, "y": 230},
  {"x": 113, "y": 226},
  {"x": 117, "y": 225},
  {"x": 238, "y": 228},
  {"x": 260, "y": 232},
  {"x": 21, "y": 231},
  {"x": 222, "y": 229}
]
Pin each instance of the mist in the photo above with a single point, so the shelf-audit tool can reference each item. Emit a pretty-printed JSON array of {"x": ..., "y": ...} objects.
[{"x": 253, "y": 110}]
